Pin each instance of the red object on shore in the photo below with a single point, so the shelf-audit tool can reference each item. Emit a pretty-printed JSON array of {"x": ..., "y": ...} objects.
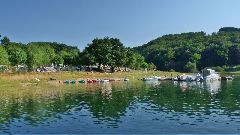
[
  {"x": 95, "y": 80},
  {"x": 111, "y": 80},
  {"x": 89, "y": 81}
]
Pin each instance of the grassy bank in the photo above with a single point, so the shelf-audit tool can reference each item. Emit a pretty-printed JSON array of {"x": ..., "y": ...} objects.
[{"x": 23, "y": 80}]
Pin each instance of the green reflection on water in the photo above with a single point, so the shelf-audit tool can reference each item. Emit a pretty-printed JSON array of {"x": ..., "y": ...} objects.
[{"x": 110, "y": 101}]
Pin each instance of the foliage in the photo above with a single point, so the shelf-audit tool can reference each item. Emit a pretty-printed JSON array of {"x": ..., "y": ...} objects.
[
  {"x": 5, "y": 41},
  {"x": 17, "y": 54},
  {"x": 190, "y": 67},
  {"x": 151, "y": 66},
  {"x": 194, "y": 50},
  {"x": 69, "y": 56},
  {"x": 3, "y": 56},
  {"x": 134, "y": 60},
  {"x": 58, "y": 60},
  {"x": 111, "y": 52},
  {"x": 45, "y": 54},
  {"x": 186, "y": 52},
  {"x": 219, "y": 69},
  {"x": 106, "y": 51}
]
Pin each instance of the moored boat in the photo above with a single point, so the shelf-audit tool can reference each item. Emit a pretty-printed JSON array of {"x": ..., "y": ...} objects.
[
  {"x": 67, "y": 81},
  {"x": 89, "y": 81},
  {"x": 210, "y": 75},
  {"x": 81, "y": 81},
  {"x": 95, "y": 80},
  {"x": 154, "y": 78},
  {"x": 111, "y": 80},
  {"x": 104, "y": 80},
  {"x": 73, "y": 81}
]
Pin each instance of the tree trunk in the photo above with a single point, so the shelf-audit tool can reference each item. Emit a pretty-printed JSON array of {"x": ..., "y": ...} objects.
[{"x": 112, "y": 69}]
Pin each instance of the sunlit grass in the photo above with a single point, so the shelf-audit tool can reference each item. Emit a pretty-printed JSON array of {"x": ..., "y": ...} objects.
[{"x": 24, "y": 81}]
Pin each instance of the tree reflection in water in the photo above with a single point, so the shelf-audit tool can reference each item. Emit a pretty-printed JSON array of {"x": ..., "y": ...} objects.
[{"x": 110, "y": 104}]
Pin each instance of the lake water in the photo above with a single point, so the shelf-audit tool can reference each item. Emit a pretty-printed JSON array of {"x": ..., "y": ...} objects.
[{"x": 123, "y": 107}]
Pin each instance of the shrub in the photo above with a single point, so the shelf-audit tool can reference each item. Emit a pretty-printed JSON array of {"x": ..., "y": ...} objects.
[
  {"x": 190, "y": 67},
  {"x": 219, "y": 69}
]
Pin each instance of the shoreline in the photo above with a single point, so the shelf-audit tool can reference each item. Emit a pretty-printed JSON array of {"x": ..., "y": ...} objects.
[
  {"x": 17, "y": 81},
  {"x": 21, "y": 80}
]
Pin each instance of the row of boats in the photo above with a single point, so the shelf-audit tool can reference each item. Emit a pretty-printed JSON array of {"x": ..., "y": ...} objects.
[
  {"x": 94, "y": 80},
  {"x": 206, "y": 75}
]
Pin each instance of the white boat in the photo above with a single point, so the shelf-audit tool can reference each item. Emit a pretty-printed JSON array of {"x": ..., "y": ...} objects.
[
  {"x": 198, "y": 78},
  {"x": 154, "y": 78},
  {"x": 104, "y": 80},
  {"x": 210, "y": 75},
  {"x": 184, "y": 78}
]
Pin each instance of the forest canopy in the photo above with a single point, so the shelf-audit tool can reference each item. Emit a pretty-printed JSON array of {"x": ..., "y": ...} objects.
[
  {"x": 106, "y": 51},
  {"x": 193, "y": 50},
  {"x": 185, "y": 52}
]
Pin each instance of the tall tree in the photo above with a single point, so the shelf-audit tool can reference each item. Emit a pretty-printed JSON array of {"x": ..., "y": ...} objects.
[
  {"x": 17, "y": 56},
  {"x": 5, "y": 41},
  {"x": 3, "y": 56},
  {"x": 106, "y": 51},
  {"x": 234, "y": 55}
]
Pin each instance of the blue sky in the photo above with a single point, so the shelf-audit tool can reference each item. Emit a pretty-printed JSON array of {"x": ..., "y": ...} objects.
[{"x": 134, "y": 22}]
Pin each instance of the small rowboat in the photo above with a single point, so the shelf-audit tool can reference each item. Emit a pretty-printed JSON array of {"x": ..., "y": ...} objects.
[
  {"x": 104, "y": 80},
  {"x": 111, "y": 80},
  {"x": 117, "y": 79},
  {"x": 73, "y": 81},
  {"x": 89, "y": 81},
  {"x": 66, "y": 81},
  {"x": 154, "y": 78},
  {"x": 95, "y": 80},
  {"x": 81, "y": 81}
]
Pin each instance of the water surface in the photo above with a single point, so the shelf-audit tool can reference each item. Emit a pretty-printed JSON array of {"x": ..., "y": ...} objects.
[{"x": 123, "y": 107}]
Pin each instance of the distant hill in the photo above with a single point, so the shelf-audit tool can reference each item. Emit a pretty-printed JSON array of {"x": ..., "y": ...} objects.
[
  {"x": 193, "y": 50},
  {"x": 229, "y": 29}
]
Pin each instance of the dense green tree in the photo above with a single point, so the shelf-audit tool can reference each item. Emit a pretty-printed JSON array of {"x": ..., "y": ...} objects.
[
  {"x": 69, "y": 54},
  {"x": 58, "y": 60},
  {"x": 180, "y": 52},
  {"x": 39, "y": 55},
  {"x": 17, "y": 56},
  {"x": 229, "y": 29},
  {"x": 214, "y": 55},
  {"x": 5, "y": 41},
  {"x": 70, "y": 57},
  {"x": 86, "y": 58},
  {"x": 49, "y": 54},
  {"x": 190, "y": 67},
  {"x": 106, "y": 51},
  {"x": 35, "y": 56},
  {"x": 184, "y": 52},
  {"x": 3, "y": 56},
  {"x": 151, "y": 66},
  {"x": 234, "y": 55},
  {"x": 134, "y": 60},
  {"x": 111, "y": 52}
]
